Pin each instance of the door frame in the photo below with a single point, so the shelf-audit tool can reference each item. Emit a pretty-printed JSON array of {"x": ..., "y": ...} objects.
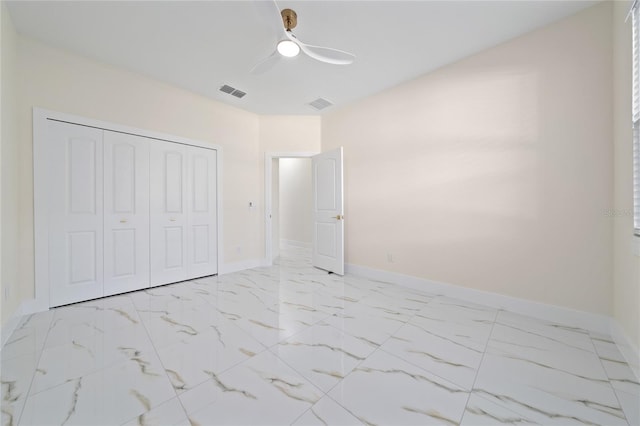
[
  {"x": 268, "y": 193},
  {"x": 40, "y": 173}
]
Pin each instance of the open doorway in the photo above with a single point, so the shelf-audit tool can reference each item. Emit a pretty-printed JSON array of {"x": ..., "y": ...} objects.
[
  {"x": 288, "y": 193},
  {"x": 291, "y": 204},
  {"x": 327, "y": 189}
]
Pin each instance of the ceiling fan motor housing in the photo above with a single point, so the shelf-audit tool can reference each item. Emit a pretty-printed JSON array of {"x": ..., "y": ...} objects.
[{"x": 289, "y": 19}]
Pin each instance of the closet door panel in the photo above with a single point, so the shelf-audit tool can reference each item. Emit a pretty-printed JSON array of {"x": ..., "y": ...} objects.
[
  {"x": 123, "y": 260},
  {"x": 174, "y": 247},
  {"x": 202, "y": 221},
  {"x": 75, "y": 196},
  {"x": 126, "y": 221},
  {"x": 168, "y": 216}
]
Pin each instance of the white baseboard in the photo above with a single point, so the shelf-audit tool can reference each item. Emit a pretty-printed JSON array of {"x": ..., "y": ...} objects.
[
  {"x": 9, "y": 327},
  {"x": 585, "y": 320},
  {"x": 626, "y": 346},
  {"x": 553, "y": 313},
  {"x": 27, "y": 307},
  {"x": 294, "y": 243},
  {"x": 32, "y": 306},
  {"x": 229, "y": 268}
]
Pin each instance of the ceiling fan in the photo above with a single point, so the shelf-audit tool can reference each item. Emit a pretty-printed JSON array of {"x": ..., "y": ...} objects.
[{"x": 290, "y": 46}]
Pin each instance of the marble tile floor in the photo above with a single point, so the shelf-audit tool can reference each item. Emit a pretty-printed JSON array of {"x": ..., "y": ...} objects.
[{"x": 291, "y": 344}]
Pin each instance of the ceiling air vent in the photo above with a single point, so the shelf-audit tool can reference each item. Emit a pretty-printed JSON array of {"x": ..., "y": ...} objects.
[
  {"x": 232, "y": 91},
  {"x": 319, "y": 104}
]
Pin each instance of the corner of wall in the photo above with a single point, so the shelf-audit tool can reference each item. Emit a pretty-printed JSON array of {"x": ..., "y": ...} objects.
[
  {"x": 626, "y": 346},
  {"x": 9, "y": 195},
  {"x": 626, "y": 265}
]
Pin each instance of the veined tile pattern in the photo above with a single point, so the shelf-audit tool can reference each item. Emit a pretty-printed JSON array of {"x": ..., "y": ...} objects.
[{"x": 291, "y": 344}]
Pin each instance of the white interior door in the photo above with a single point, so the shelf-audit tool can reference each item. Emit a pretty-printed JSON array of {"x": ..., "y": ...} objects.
[
  {"x": 168, "y": 218},
  {"x": 126, "y": 212},
  {"x": 75, "y": 204},
  {"x": 202, "y": 221},
  {"x": 328, "y": 214}
]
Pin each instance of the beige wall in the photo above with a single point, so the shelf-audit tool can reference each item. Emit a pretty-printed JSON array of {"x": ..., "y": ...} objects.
[
  {"x": 491, "y": 173},
  {"x": 626, "y": 291},
  {"x": 10, "y": 196},
  {"x": 290, "y": 133},
  {"x": 60, "y": 81},
  {"x": 295, "y": 200},
  {"x": 56, "y": 80}
]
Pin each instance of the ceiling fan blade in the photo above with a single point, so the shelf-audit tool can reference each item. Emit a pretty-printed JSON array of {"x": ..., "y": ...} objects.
[
  {"x": 323, "y": 54},
  {"x": 328, "y": 54},
  {"x": 265, "y": 64}
]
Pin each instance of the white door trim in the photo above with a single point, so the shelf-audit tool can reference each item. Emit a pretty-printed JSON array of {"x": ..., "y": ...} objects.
[
  {"x": 40, "y": 173},
  {"x": 268, "y": 191}
]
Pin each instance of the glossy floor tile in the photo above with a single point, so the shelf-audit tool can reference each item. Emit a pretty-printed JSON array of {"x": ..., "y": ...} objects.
[{"x": 291, "y": 344}]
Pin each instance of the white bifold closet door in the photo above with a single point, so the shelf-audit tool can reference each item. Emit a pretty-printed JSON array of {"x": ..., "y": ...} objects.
[
  {"x": 75, "y": 212},
  {"x": 183, "y": 212},
  {"x": 126, "y": 213}
]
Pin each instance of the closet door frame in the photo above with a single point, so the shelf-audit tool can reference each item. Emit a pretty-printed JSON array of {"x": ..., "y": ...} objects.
[{"x": 40, "y": 190}]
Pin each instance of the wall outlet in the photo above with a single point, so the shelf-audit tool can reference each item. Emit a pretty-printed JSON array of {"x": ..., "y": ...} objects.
[
  {"x": 389, "y": 257},
  {"x": 239, "y": 249},
  {"x": 7, "y": 293}
]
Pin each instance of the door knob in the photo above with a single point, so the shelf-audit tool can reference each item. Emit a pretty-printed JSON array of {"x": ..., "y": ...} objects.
[
  {"x": 173, "y": 219},
  {"x": 339, "y": 217},
  {"x": 123, "y": 220}
]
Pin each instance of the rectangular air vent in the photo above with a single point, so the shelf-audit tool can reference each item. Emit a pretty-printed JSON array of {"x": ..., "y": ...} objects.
[
  {"x": 232, "y": 91},
  {"x": 319, "y": 104},
  {"x": 227, "y": 89}
]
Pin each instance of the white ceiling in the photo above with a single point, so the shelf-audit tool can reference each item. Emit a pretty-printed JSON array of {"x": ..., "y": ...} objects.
[{"x": 202, "y": 45}]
